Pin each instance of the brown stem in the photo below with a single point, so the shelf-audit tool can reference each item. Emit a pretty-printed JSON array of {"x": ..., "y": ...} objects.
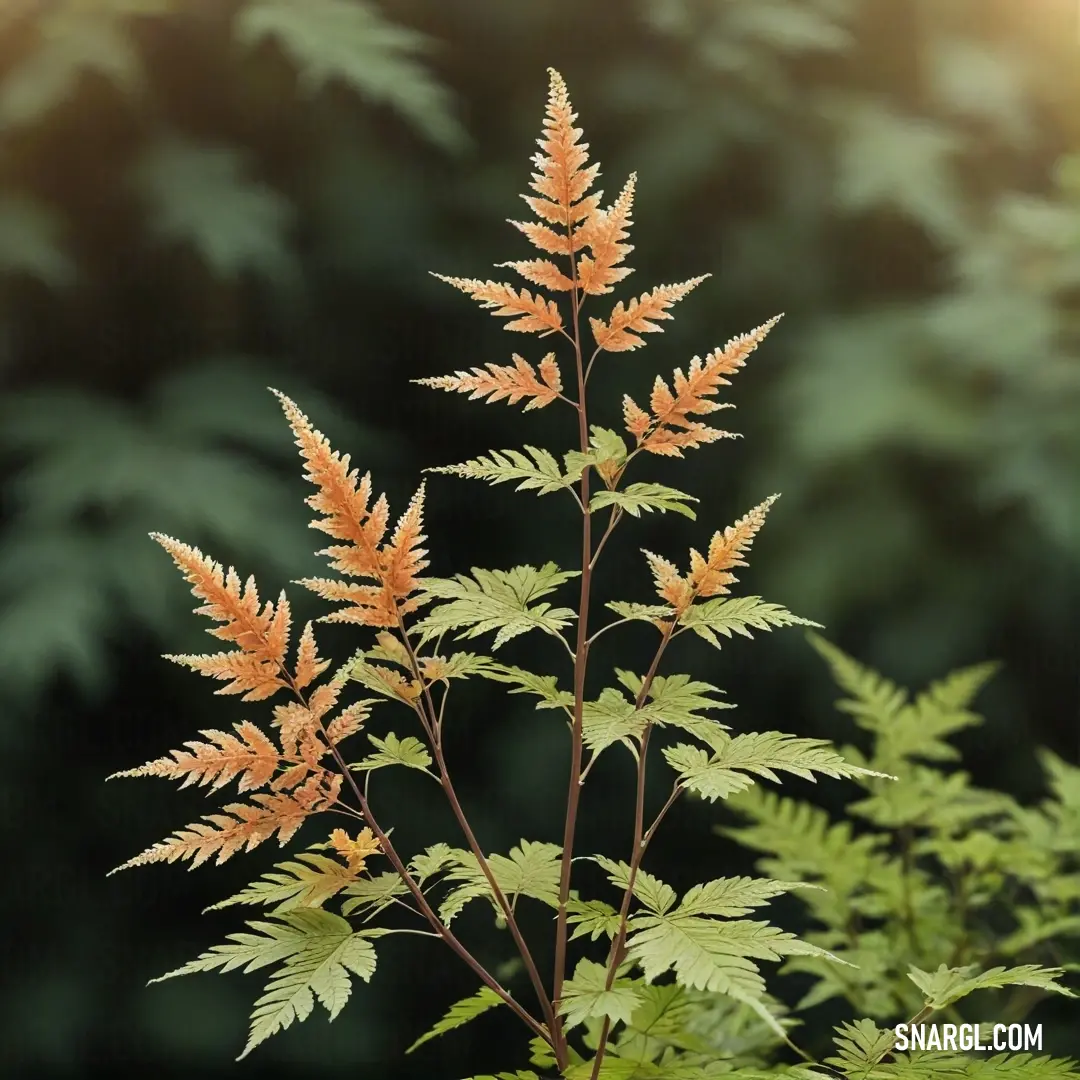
[
  {"x": 433, "y": 729},
  {"x": 399, "y": 866},
  {"x": 581, "y": 656},
  {"x": 618, "y": 942}
]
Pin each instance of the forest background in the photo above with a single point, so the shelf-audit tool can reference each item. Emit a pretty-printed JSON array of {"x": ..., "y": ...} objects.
[{"x": 202, "y": 197}]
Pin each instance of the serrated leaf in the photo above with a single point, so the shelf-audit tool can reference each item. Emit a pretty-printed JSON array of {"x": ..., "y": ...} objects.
[
  {"x": 308, "y": 882},
  {"x": 499, "y": 600},
  {"x": 591, "y": 917},
  {"x": 460, "y": 1013},
  {"x": 544, "y": 687},
  {"x": 531, "y": 869},
  {"x": 391, "y": 750},
  {"x": 947, "y": 985},
  {"x": 540, "y": 474},
  {"x": 638, "y": 497},
  {"x": 376, "y": 892},
  {"x": 655, "y": 894},
  {"x": 737, "y": 760},
  {"x": 585, "y": 996},
  {"x": 737, "y": 615}
]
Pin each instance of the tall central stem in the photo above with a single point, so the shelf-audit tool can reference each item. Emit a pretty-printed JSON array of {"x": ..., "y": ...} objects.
[{"x": 581, "y": 655}]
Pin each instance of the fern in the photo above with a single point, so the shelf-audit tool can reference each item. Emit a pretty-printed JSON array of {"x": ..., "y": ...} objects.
[{"x": 675, "y": 991}]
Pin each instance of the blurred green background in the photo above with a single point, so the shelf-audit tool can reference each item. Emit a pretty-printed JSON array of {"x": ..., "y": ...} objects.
[{"x": 200, "y": 198}]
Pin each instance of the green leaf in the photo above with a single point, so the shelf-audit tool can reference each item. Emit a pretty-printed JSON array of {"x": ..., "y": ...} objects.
[
  {"x": 496, "y": 600},
  {"x": 736, "y": 896},
  {"x": 540, "y": 474},
  {"x": 544, "y": 687},
  {"x": 585, "y": 996},
  {"x": 605, "y": 446},
  {"x": 531, "y": 869},
  {"x": 376, "y": 892},
  {"x": 308, "y": 882},
  {"x": 737, "y": 615},
  {"x": 947, "y": 985},
  {"x": 643, "y": 612},
  {"x": 391, "y": 750},
  {"x": 657, "y": 896},
  {"x": 353, "y": 41},
  {"x": 736, "y": 761},
  {"x": 637, "y": 497},
  {"x": 318, "y": 951},
  {"x": 200, "y": 196},
  {"x": 460, "y": 1013},
  {"x": 591, "y": 917}
]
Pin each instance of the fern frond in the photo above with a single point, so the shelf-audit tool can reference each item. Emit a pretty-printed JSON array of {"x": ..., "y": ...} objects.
[
  {"x": 603, "y": 232},
  {"x": 459, "y": 1014},
  {"x": 736, "y": 615},
  {"x": 586, "y": 996},
  {"x": 531, "y": 869},
  {"x": 499, "y": 381},
  {"x": 737, "y": 760},
  {"x": 307, "y": 882},
  {"x": 528, "y": 314},
  {"x": 619, "y": 332},
  {"x": 710, "y": 576},
  {"x": 248, "y": 754},
  {"x": 499, "y": 600},
  {"x": 392, "y": 750},
  {"x": 535, "y": 469},
  {"x": 260, "y": 633},
  {"x": 343, "y": 500},
  {"x": 642, "y": 496},
  {"x": 947, "y": 985},
  {"x": 669, "y": 429},
  {"x": 243, "y": 825}
]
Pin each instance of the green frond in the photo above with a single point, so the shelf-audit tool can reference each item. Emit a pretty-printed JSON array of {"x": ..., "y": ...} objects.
[
  {"x": 391, "y": 750},
  {"x": 737, "y": 615},
  {"x": 591, "y": 917},
  {"x": 309, "y": 882},
  {"x": 317, "y": 949},
  {"x": 534, "y": 469},
  {"x": 544, "y": 687},
  {"x": 531, "y": 869},
  {"x": 460, "y": 1013},
  {"x": 657, "y": 896},
  {"x": 499, "y": 600},
  {"x": 736, "y": 761},
  {"x": 635, "y": 498},
  {"x": 586, "y": 997},
  {"x": 947, "y": 985}
]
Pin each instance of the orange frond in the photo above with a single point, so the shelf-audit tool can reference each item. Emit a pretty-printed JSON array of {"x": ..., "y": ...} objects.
[
  {"x": 246, "y": 673},
  {"x": 260, "y": 632},
  {"x": 669, "y": 429},
  {"x": 308, "y": 664},
  {"x": 670, "y": 584},
  {"x": 619, "y": 333},
  {"x": 562, "y": 179},
  {"x": 710, "y": 576},
  {"x": 348, "y": 721},
  {"x": 355, "y": 852},
  {"x": 249, "y": 754},
  {"x": 542, "y": 272},
  {"x": 344, "y": 500},
  {"x": 603, "y": 233},
  {"x": 533, "y": 314},
  {"x": 403, "y": 558},
  {"x": 501, "y": 381},
  {"x": 243, "y": 825},
  {"x": 636, "y": 418}
]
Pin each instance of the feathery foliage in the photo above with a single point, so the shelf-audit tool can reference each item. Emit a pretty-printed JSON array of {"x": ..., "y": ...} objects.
[{"x": 675, "y": 979}]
